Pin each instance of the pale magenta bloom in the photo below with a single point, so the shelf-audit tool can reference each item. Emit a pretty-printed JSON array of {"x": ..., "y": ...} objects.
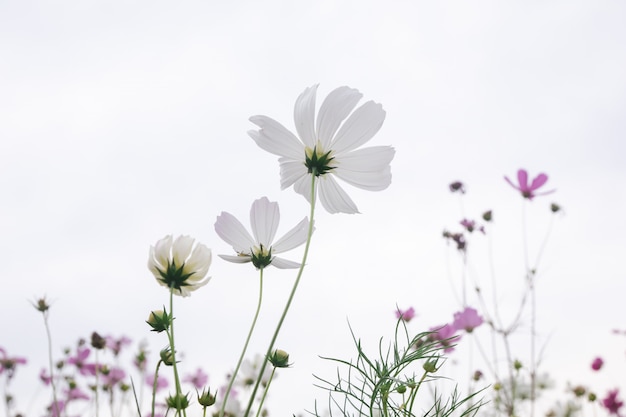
[
  {"x": 528, "y": 190},
  {"x": 160, "y": 383},
  {"x": 446, "y": 336},
  {"x": 611, "y": 403},
  {"x": 405, "y": 315},
  {"x": 597, "y": 364},
  {"x": 198, "y": 379},
  {"x": 8, "y": 364},
  {"x": 467, "y": 320}
]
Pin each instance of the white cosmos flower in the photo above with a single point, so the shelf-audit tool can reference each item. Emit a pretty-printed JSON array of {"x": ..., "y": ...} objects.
[
  {"x": 179, "y": 264},
  {"x": 260, "y": 249},
  {"x": 329, "y": 145}
]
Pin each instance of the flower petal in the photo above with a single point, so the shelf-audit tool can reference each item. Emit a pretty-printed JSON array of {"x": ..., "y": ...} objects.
[
  {"x": 181, "y": 249},
  {"x": 335, "y": 108},
  {"x": 522, "y": 179},
  {"x": 199, "y": 261},
  {"x": 293, "y": 238},
  {"x": 511, "y": 183},
  {"x": 160, "y": 255},
  {"x": 275, "y": 138},
  {"x": 371, "y": 181},
  {"x": 371, "y": 159},
  {"x": 238, "y": 259},
  {"x": 359, "y": 128},
  {"x": 291, "y": 171},
  {"x": 304, "y": 116},
  {"x": 232, "y": 232},
  {"x": 333, "y": 197},
  {"x": 303, "y": 186},
  {"x": 540, "y": 180},
  {"x": 281, "y": 263},
  {"x": 264, "y": 219}
]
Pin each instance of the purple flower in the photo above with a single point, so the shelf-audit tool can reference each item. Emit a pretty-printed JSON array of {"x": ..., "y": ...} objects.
[
  {"x": 160, "y": 383},
  {"x": 446, "y": 336},
  {"x": 198, "y": 380},
  {"x": 470, "y": 226},
  {"x": 405, "y": 315},
  {"x": 56, "y": 408},
  {"x": 8, "y": 364},
  {"x": 611, "y": 403},
  {"x": 597, "y": 364},
  {"x": 75, "y": 394},
  {"x": 44, "y": 377},
  {"x": 528, "y": 190},
  {"x": 116, "y": 345},
  {"x": 113, "y": 376},
  {"x": 82, "y": 353},
  {"x": 467, "y": 320}
]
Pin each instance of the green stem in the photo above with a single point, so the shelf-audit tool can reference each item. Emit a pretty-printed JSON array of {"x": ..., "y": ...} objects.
[
  {"x": 291, "y": 295},
  {"x": 245, "y": 346},
  {"x": 50, "y": 364},
  {"x": 154, "y": 385},
  {"x": 267, "y": 388},
  {"x": 170, "y": 335}
]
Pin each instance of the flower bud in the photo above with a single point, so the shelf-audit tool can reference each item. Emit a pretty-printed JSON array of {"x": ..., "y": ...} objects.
[
  {"x": 167, "y": 356},
  {"x": 487, "y": 216},
  {"x": 430, "y": 366},
  {"x": 280, "y": 359},
  {"x": 555, "y": 208},
  {"x": 477, "y": 375},
  {"x": 206, "y": 399},
  {"x": 42, "y": 305},
  {"x": 457, "y": 186},
  {"x": 98, "y": 341},
  {"x": 591, "y": 397},
  {"x": 159, "y": 320},
  {"x": 517, "y": 365},
  {"x": 178, "y": 401},
  {"x": 579, "y": 390},
  {"x": 401, "y": 389}
]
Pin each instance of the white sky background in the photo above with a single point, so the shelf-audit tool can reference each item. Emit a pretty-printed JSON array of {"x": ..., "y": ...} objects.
[{"x": 123, "y": 121}]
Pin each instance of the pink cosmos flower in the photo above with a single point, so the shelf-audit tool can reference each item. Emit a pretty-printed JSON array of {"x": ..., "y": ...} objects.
[
  {"x": 75, "y": 394},
  {"x": 44, "y": 377},
  {"x": 467, "y": 320},
  {"x": 528, "y": 190},
  {"x": 405, "y": 315},
  {"x": 597, "y": 364},
  {"x": 198, "y": 380},
  {"x": 8, "y": 364},
  {"x": 113, "y": 376},
  {"x": 160, "y": 384},
  {"x": 470, "y": 226},
  {"x": 116, "y": 345},
  {"x": 82, "y": 353},
  {"x": 611, "y": 403},
  {"x": 446, "y": 336}
]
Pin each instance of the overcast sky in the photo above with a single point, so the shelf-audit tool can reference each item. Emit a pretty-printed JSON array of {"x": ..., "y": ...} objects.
[{"x": 124, "y": 121}]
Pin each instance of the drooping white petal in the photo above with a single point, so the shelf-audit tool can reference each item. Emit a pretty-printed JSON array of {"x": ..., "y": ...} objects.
[
  {"x": 303, "y": 186},
  {"x": 160, "y": 254},
  {"x": 304, "y": 116},
  {"x": 199, "y": 262},
  {"x": 281, "y": 263},
  {"x": 238, "y": 259},
  {"x": 275, "y": 138},
  {"x": 293, "y": 238},
  {"x": 232, "y": 232},
  {"x": 181, "y": 249},
  {"x": 333, "y": 197},
  {"x": 264, "y": 219},
  {"x": 335, "y": 108},
  {"x": 370, "y": 181},
  {"x": 291, "y": 171},
  {"x": 370, "y": 159},
  {"x": 359, "y": 128}
]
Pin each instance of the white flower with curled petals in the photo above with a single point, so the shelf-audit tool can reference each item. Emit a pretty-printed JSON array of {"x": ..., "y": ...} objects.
[
  {"x": 179, "y": 265},
  {"x": 260, "y": 249},
  {"x": 328, "y": 147}
]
